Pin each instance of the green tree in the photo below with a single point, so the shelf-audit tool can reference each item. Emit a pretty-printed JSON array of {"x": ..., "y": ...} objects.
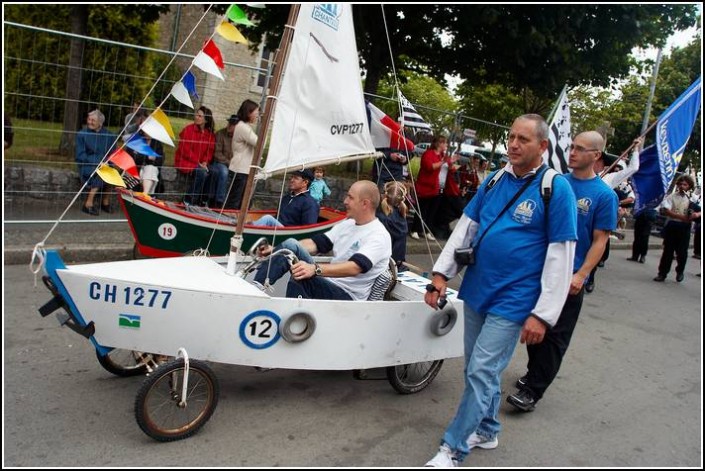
[
  {"x": 125, "y": 23},
  {"x": 430, "y": 98}
]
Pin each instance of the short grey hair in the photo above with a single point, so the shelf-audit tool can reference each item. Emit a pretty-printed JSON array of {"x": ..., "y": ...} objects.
[
  {"x": 540, "y": 125},
  {"x": 100, "y": 117}
]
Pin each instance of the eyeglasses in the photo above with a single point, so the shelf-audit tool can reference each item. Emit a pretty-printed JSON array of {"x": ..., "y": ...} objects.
[{"x": 581, "y": 149}]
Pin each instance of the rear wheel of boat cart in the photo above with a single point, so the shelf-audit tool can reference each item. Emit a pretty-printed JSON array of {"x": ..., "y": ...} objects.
[
  {"x": 161, "y": 410},
  {"x": 122, "y": 362},
  {"x": 412, "y": 378}
]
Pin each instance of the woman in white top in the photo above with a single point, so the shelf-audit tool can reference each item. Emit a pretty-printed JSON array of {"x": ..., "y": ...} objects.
[{"x": 244, "y": 142}]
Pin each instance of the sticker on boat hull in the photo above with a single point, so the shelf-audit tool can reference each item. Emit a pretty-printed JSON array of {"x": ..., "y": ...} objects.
[
  {"x": 167, "y": 231},
  {"x": 260, "y": 329}
]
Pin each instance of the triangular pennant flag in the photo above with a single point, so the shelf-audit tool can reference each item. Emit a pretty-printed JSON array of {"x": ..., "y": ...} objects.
[
  {"x": 206, "y": 63},
  {"x": 139, "y": 145},
  {"x": 189, "y": 82},
  {"x": 212, "y": 50},
  {"x": 180, "y": 92},
  {"x": 236, "y": 15},
  {"x": 125, "y": 161},
  {"x": 110, "y": 176},
  {"x": 228, "y": 31},
  {"x": 158, "y": 127}
]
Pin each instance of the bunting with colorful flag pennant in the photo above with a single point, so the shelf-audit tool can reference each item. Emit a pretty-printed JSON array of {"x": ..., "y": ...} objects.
[
  {"x": 210, "y": 60},
  {"x": 409, "y": 116},
  {"x": 138, "y": 144},
  {"x": 158, "y": 127},
  {"x": 123, "y": 160},
  {"x": 658, "y": 163},
  {"x": 189, "y": 82},
  {"x": 385, "y": 132},
  {"x": 228, "y": 31},
  {"x": 180, "y": 92},
  {"x": 110, "y": 176},
  {"x": 236, "y": 15}
]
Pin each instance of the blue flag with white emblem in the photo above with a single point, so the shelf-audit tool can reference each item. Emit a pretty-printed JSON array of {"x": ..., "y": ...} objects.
[{"x": 659, "y": 162}]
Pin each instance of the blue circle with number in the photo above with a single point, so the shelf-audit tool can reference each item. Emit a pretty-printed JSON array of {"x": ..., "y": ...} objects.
[{"x": 260, "y": 329}]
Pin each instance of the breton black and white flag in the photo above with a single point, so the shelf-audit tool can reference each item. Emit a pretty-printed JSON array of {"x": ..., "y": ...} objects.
[
  {"x": 409, "y": 116},
  {"x": 559, "y": 138}
]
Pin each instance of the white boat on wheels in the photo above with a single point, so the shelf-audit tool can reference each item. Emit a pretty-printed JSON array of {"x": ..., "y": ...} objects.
[{"x": 187, "y": 311}]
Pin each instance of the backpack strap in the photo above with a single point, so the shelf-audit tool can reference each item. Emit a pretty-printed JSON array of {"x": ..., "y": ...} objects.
[
  {"x": 547, "y": 189},
  {"x": 499, "y": 174}
]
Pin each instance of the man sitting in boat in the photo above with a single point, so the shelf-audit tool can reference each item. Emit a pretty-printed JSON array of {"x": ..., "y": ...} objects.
[
  {"x": 361, "y": 249},
  {"x": 298, "y": 208}
]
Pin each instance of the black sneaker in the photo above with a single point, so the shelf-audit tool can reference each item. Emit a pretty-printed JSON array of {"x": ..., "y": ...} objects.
[
  {"x": 523, "y": 400},
  {"x": 660, "y": 278},
  {"x": 522, "y": 382},
  {"x": 590, "y": 287},
  {"x": 679, "y": 277}
]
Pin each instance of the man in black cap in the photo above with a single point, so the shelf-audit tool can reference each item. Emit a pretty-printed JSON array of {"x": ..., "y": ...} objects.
[
  {"x": 298, "y": 208},
  {"x": 218, "y": 169}
]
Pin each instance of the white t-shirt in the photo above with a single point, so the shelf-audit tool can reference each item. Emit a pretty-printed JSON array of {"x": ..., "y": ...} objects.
[{"x": 370, "y": 240}]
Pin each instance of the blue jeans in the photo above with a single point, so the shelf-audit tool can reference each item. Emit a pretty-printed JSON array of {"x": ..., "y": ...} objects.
[
  {"x": 218, "y": 182},
  {"x": 312, "y": 288},
  {"x": 267, "y": 221},
  {"x": 489, "y": 345},
  {"x": 195, "y": 194}
]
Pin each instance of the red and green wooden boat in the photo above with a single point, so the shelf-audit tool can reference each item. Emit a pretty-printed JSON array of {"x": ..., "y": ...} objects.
[{"x": 168, "y": 229}]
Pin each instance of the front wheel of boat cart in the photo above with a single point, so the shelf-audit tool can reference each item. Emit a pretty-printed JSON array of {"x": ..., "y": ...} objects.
[
  {"x": 159, "y": 409},
  {"x": 412, "y": 378},
  {"x": 121, "y": 362}
]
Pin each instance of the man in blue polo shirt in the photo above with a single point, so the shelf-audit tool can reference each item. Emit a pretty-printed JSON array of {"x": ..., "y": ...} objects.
[
  {"x": 298, "y": 208},
  {"x": 516, "y": 286},
  {"x": 597, "y": 217}
]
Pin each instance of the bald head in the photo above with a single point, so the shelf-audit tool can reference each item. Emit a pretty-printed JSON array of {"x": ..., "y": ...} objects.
[
  {"x": 369, "y": 191},
  {"x": 593, "y": 138},
  {"x": 362, "y": 201}
]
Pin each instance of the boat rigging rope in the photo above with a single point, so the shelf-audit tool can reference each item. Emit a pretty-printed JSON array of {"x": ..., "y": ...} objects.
[{"x": 38, "y": 252}]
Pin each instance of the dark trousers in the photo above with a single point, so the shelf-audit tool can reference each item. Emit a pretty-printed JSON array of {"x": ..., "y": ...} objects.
[
  {"x": 236, "y": 184},
  {"x": 642, "y": 232},
  {"x": 317, "y": 287},
  {"x": 429, "y": 210},
  {"x": 676, "y": 237},
  {"x": 697, "y": 239},
  {"x": 545, "y": 358}
]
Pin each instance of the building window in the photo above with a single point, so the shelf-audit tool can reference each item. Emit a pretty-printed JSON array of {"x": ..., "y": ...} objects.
[{"x": 260, "y": 78}]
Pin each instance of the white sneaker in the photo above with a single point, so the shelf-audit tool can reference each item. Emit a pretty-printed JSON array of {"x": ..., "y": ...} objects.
[
  {"x": 483, "y": 442},
  {"x": 443, "y": 459},
  {"x": 414, "y": 235},
  {"x": 429, "y": 236}
]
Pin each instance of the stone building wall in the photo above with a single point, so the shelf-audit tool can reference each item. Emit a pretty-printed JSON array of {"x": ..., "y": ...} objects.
[{"x": 222, "y": 97}]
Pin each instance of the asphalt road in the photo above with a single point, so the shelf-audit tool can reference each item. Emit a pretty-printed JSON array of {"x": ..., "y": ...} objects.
[{"x": 629, "y": 394}]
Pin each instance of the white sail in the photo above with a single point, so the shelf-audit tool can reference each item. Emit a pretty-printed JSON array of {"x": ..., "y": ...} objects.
[{"x": 320, "y": 115}]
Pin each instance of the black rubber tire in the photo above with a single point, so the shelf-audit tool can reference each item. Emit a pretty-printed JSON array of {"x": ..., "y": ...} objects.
[
  {"x": 412, "y": 378},
  {"x": 156, "y": 397},
  {"x": 121, "y": 362}
]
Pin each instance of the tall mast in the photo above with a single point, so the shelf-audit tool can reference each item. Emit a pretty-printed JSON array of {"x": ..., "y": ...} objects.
[{"x": 280, "y": 61}]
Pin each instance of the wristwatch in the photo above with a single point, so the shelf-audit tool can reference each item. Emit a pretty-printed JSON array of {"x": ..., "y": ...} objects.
[
  {"x": 431, "y": 288},
  {"x": 319, "y": 270}
]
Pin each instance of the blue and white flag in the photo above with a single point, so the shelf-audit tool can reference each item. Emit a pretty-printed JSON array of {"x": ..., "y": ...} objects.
[{"x": 659, "y": 162}]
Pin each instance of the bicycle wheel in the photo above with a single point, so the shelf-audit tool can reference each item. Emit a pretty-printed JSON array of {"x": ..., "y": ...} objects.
[
  {"x": 158, "y": 408},
  {"x": 122, "y": 362},
  {"x": 412, "y": 378}
]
